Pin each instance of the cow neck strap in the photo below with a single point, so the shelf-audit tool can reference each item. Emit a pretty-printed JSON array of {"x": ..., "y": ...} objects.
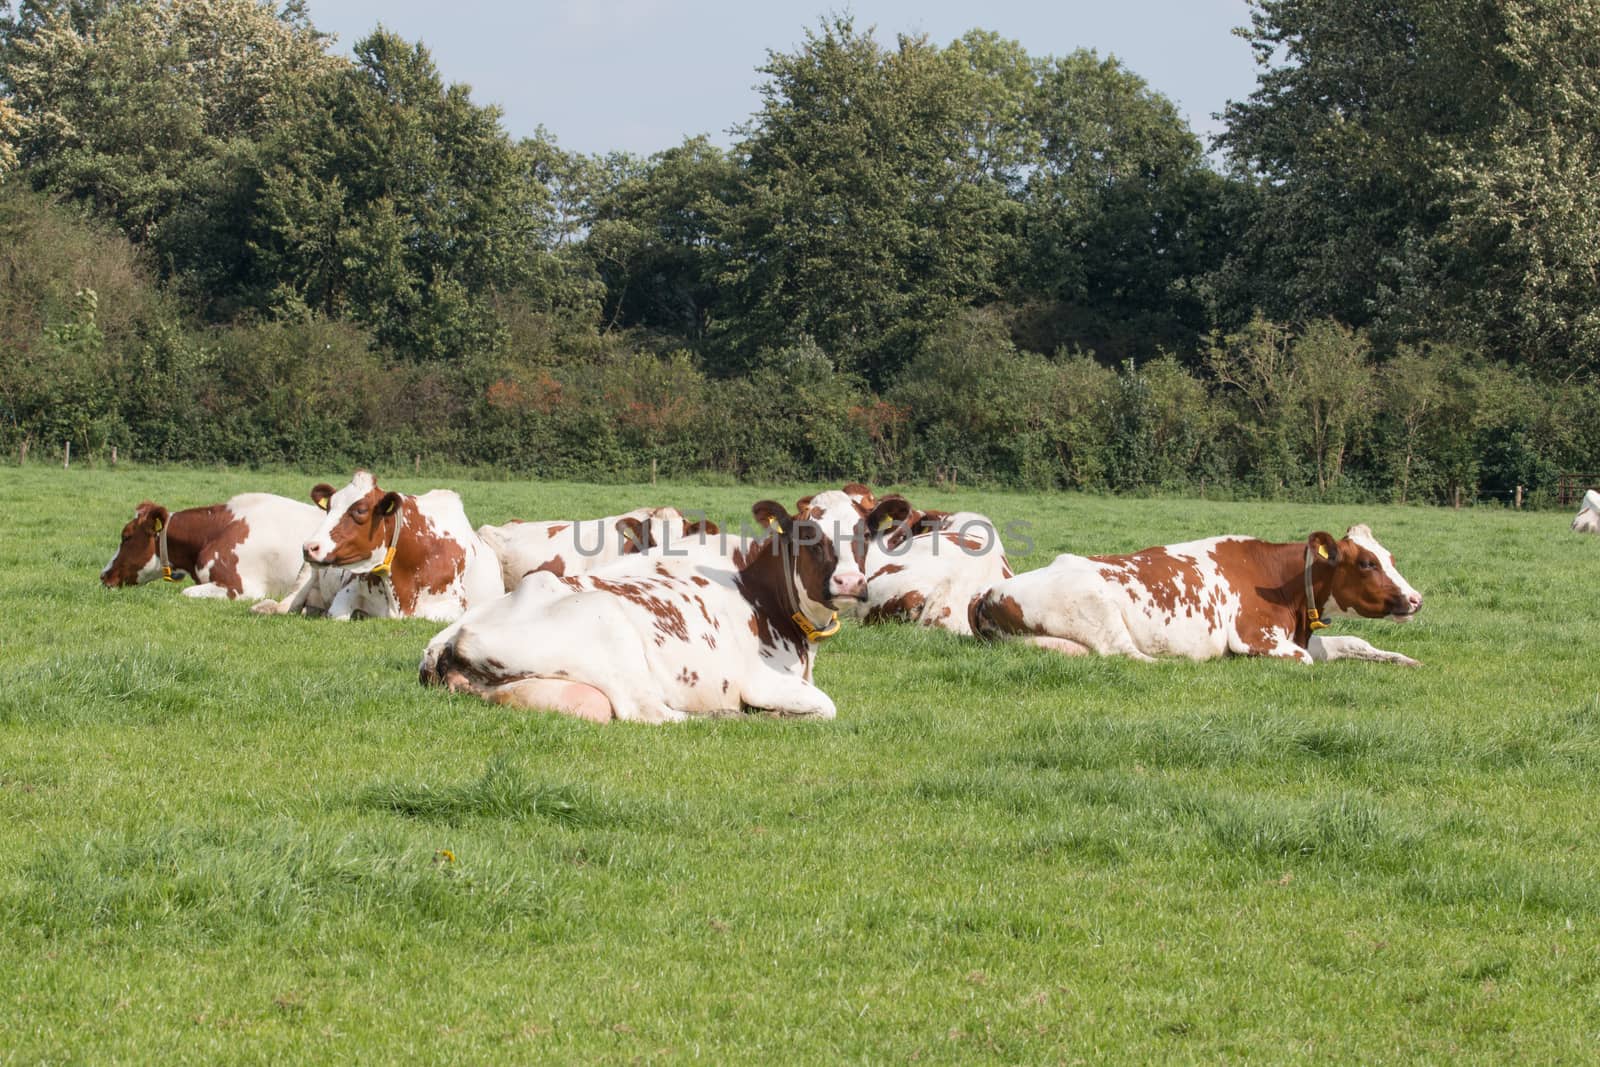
[
  {"x": 813, "y": 632},
  {"x": 1313, "y": 617},
  {"x": 383, "y": 569},
  {"x": 161, "y": 547}
]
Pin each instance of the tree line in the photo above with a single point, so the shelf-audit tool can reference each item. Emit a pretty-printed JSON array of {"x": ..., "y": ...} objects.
[{"x": 220, "y": 241}]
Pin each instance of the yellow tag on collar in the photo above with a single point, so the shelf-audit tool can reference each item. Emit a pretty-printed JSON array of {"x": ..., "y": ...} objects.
[
  {"x": 166, "y": 574},
  {"x": 811, "y": 632},
  {"x": 1315, "y": 619},
  {"x": 382, "y": 570}
]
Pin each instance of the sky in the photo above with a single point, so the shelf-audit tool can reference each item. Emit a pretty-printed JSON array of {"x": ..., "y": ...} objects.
[{"x": 641, "y": 75}]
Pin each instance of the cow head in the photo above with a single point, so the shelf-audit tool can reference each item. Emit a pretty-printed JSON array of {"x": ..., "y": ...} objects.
[
  {"x": 360, "y": 521},
  {"x": 644, "y": 529},
  {"x": 1363, "y": 578},
  {"x": 138, "y": 558},
  {"x": 827, "y": 539}
]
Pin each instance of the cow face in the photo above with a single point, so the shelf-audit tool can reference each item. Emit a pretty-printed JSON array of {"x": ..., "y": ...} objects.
[
  {"x": 1365, "y": 579},
  {"x": 355, "y": 535},
  {"x": 848, "y": 518},
  {"x": 820, "y": 575},
  {"x": 138, "y": 557}
]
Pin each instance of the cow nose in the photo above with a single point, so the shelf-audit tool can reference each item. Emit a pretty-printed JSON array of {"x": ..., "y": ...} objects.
[
  {"x": 1415, "y": 600},
  {"x": 854, "y": 584},
  {"x": 308, "y": 552}
]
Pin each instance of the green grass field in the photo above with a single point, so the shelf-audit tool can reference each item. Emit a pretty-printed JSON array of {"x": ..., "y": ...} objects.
[{"x": 234, "y": 838}]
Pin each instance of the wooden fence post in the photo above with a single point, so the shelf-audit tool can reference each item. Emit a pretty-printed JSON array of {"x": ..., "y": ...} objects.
[
  {"x": 1519, "y": 498},
  {"x": 1458, "y": 498},
  {"x": 66, "y": 454},
  {"x": 652, "y": 470},
  {"x": 22, "y": 457}
]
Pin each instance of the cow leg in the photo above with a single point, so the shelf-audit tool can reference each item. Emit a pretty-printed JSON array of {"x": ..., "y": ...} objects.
[
  {"x": 784, "y": 694},
  {"x": 209, "y": 591},
  {"x": 295, "y": 599},
  {"x": 553, "y": 694},
  {"x": 1323, "y": 649}
]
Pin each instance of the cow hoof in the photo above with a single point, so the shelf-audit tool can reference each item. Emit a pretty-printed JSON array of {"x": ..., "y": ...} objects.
[{"x": 267, "y": 607}]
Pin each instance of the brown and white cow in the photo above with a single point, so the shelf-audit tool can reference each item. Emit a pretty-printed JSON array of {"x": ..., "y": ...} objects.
[
  {"x": 246, "y": 547},
  {"x": 1588, "y": 517},
  {"x": 404, "y": 555},
  {"x": 574, "y": 546},
  {"x": 1206, "y": 598},
  {"x": 929, "y": 569},
  {"x": 658, "y": 638}
]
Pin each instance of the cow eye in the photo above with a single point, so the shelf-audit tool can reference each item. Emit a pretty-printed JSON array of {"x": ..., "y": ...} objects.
[{"x": 1368, "y": 565}]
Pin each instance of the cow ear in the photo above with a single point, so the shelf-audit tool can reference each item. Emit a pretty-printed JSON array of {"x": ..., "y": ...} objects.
[
  {"x": 157, "y": 516},
  {"x": 862, "y": 496},
  {"x": 887, "y": 512},
  {"x": 321, "y": 493},
  {"x": 1324, "y": 549},
  {"x": 799, "y": 505},
  {"x": 772, "y": 514},
  {"x": 700, "y": 528},
  {"x": 635, "y": 534},
  {"x": 389, "y": 503},
  {"x": 929, "y": 521}
]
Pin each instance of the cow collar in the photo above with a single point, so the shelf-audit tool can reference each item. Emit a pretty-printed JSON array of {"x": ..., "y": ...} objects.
[
  {"x": 161, "y": 549},
  {"x": 813, "y": 632},
  {"x": 1313, "y": 616},
  {"x": 383, "y": 569}
]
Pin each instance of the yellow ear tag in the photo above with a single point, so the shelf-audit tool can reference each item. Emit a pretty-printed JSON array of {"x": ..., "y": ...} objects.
[
  {"x": 885, "y": 522},
  {"x": 322, "y": 502},
  {"x": 774, "y": 524},
  {"x": 156, "y": 525},
  {"x": 1322, "y": 550}
]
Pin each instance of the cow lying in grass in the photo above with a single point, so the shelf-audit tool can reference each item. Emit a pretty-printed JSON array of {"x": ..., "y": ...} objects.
[
  {"x": 1588, "y": 517},
  {"x": 929, "y": 569},
  {"x": 657, "y": 638},
  {"x": 397, "y": 555},
  {"x": 246, "y": 547},
  {"x": 574, "y": 546},
  {"x": 1206, "y": 598}
]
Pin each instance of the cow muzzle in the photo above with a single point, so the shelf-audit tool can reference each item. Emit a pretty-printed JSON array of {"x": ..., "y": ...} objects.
[
  {"x": 1407, "y": 607},
  {"x": 847, "y": 586}
]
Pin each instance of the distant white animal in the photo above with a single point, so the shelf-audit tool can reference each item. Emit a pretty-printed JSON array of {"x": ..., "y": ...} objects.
[{"x": 1588, "y": 520}]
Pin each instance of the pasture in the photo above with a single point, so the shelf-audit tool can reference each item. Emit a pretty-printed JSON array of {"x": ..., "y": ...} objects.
[{"x": 253, "y": 839}]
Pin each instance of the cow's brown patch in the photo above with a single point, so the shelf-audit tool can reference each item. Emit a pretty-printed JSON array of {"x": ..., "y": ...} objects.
[
  {"x": 907, "y": 607},
  {"x": 991, "y": 616},
  {"x": 668, "y": 620},
  {"x": 886, "y": 569},
  {"x": 554, "y": 529},
  {"x": 555, "y": 565},
  {"x": 1155, "y": 575}
]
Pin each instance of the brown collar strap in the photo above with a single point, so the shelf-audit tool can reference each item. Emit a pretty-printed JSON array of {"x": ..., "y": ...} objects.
[
  {"x": 383, "y": 569},
  {"x": 161, "y": 547},
  {"x": 1313, "y": 617},
  {"x": 812, "y": 631}
]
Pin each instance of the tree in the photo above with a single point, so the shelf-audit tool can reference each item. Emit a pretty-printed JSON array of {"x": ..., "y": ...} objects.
[
  {"x": 655, "y": 237},
  {"x": 1524, "y": 231},
  {"x": 396, "y": 200},
  {"x": 135, "y": 107},
  {"x": 1120, "y": 209},
  {"x": 867, "y": 216},
  {"x": 1349, "y": 130}
]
